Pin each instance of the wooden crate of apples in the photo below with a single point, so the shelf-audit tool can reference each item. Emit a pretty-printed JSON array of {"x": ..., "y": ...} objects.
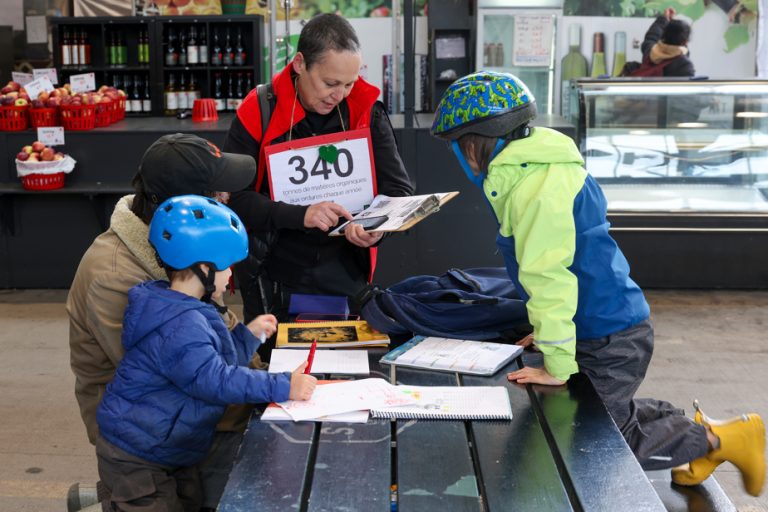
[{"x": 41, "y": 167}]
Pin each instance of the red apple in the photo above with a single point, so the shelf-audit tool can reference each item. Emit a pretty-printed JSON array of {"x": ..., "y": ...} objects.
[
  {"x": 16, "y": 86},
  {"x": 12, "y": 94},
  {"x": 44, "y": 95},
  {"x": 59, "y": 156},
  {"x": 21, "y": 102},
  {"x": 27, "y": 149},
  {"x": 47, "y": 154},
  {"x": 22, "y": 156},
  {"x": 33, "y": 158},
  {"x": 24, "y": 95},
  {"x": 6, "y": 89},
  {"x": 38, "y": 104},
  {"x": 53, "y": 102},
  {"x": 8, "y": 100},
  {"x": 38, "y": 146}
]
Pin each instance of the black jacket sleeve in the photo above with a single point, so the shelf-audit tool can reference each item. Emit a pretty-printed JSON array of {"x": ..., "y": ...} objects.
[
  {"x": 256, "y": 209},
  {"x": 681, "y": 66},
  {"x": 391, "y": 177},
  {"x": 654, "y": 34}
]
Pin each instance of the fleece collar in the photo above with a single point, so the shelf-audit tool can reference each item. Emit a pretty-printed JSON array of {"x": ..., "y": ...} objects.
[
  {"x": 135, "y": 235},
  {"x": 662, "y": 51}
]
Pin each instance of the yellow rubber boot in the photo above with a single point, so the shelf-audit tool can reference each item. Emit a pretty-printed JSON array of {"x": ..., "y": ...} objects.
[{"x": 742, "y": 442}]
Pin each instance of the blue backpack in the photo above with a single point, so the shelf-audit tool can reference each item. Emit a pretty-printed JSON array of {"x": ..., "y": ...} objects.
[{"x": 471, "y": 304}]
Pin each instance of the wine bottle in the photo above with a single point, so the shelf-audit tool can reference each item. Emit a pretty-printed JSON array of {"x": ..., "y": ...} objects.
[
  {"x": 113, "y": 50},
  {"x": 171, "y": 57},
  {"x": 230, "y": 92},
  {"x": 228, "y": 55},
  {"x": 74, "y": 48},
  {"x": 193, "y": 91},
  {"x": 146, "y": 103},
  {"x": 239, "y": 59},
  {"x": 573, "y": 65},
  {"x": 136, "y": 96},
  {"x": 122, "y": 49},
  {"x": 181, "y": 95},
  {"x": 66, "y": 49},
  {"x": 619, "y": 52},
  {"x": 182, "y": 49},
  {"x": 203, "y": 48},
  {"x": 85, "y": 48},
  {"x": 193, "y": 54},
  {"x": 171, "y": 100},
  {"x": 217, "y": 94},
  {"x": 598, "y": 55},
  {"x": 239, "y": 92},
  {"x": 216, "y": 51},
  {"x": 128, "y": 91}
]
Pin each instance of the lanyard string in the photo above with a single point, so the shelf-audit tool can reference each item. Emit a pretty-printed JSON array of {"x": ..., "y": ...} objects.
[{"x": 293, "y": 110}]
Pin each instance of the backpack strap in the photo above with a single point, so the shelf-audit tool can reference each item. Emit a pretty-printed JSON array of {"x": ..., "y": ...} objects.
[{"x": 266, "y": 103}]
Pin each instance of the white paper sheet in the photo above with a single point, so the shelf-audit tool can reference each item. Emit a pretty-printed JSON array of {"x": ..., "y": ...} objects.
[
  {"x": 355, "y": 395},
  {"x": 275, "y": 413},
  {"x": 346, "y": 362}
]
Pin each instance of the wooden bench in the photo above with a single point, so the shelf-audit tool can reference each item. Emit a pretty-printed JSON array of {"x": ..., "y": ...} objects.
[{"x": 562, "y": 451}]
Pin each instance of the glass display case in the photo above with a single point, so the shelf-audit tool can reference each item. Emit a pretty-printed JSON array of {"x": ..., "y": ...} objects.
[{"x": 675, "y": 146}]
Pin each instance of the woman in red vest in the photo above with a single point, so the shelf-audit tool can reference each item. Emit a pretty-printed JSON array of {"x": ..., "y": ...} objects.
[{"x": 316, "y": 100}]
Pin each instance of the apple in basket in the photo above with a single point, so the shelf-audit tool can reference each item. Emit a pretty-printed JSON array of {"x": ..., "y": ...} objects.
[
  {"x": 38, "y": 146},
  {"x": 22, "y": 156},
  {"x": 38, "y": 104},
  {"x": 33, "y": 157},
  {"x": 47, "y": 154},
  {"x": 21, "y": 102}
]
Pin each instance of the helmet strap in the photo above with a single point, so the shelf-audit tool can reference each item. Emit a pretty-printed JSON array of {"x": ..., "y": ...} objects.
[
  {"x": 207, "y": 280},
  {"x": 477, "y": 179}
]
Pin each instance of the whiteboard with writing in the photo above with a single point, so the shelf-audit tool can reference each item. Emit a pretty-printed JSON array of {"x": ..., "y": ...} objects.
[{"x": 533, "y": 39}]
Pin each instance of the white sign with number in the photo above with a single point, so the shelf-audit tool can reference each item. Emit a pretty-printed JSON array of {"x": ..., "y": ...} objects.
[
  {"x": 21, "y": 78},
  {"x": 51, "y": 135},
  {"x": 35, "y": 87},
  {"x": 85, "y": 82},
  {"x": 49, "y": 72},
  {"x": 305, "y": 172}
]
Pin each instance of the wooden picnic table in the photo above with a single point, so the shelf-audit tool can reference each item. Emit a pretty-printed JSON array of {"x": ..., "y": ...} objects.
[{"x": 561, "y": 451}]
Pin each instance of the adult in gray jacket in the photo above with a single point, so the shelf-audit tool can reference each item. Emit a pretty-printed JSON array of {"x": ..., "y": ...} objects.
[{"x": 122, "y": 257}]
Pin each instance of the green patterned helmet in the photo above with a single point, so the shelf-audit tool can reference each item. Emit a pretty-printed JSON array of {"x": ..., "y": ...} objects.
[{"x": 486, "y": 103}]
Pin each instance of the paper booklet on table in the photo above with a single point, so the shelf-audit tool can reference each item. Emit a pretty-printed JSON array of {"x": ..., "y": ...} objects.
[
  {"x": 397, "y": 213},
  {"x": 274, "y": 412},
  {"x": 450, "y": 403},
  {"x": 445, "y": 354},
  {"x": 353, "y": 333},
  {"x": 345, "y": 362}
]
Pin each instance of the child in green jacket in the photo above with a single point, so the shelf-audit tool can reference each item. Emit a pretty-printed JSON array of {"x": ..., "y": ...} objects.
[{"x": 587, "y": 314}]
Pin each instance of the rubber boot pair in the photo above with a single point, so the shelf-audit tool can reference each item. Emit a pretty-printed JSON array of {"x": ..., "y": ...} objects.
[{"x": 742, "y": 443}]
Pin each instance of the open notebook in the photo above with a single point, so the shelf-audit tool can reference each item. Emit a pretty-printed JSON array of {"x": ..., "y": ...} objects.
[
  {"x": 451, "y": 403},
  {"x": 452, "y": 355}
]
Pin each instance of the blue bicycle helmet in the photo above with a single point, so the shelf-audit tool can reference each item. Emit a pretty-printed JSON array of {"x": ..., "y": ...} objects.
[
  {"x": 486, "y": 103},
  {"x": 186, "y": 230}
]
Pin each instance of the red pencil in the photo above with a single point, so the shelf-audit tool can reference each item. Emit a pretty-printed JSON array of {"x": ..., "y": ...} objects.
[{"x": 311, "y": 357}]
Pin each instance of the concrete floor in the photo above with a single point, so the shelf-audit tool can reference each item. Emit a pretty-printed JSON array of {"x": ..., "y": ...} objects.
[{"x": 710, "y": 345}]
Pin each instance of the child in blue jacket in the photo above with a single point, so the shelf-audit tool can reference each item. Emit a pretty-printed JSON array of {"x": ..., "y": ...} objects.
[
  {"x": 587, "y": 314},
  {"x": 182, "y": 366}
]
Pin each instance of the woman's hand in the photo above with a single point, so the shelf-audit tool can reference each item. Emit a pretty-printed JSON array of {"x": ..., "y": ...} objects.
[
  {"x": 357, "y": 235},
  {"x": 325, "y": 215},
  {"x": 263, "y": 324},
  {"x": 302, "y": 385},
  {"x": 530, "y": 375}
]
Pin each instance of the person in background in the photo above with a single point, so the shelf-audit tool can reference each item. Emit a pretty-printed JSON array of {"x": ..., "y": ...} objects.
[
  {"x": 182, "y": 363},
  {"x": 667, "y": 41},
  {"x": 318, "y": 93},
  {"x": 587, "y": 314},
  {"x": 121, "y": 257}
]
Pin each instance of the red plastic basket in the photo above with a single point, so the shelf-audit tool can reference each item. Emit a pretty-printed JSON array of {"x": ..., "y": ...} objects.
[
  {"x": 44, "y": 116},
  {"x": 43, "y": 181},
  {"x": 105, "y": 113},
  {"x": 13, "y": 118},
  {"x": 120, "y": 110},
  {"x": 78, "y": 117}
]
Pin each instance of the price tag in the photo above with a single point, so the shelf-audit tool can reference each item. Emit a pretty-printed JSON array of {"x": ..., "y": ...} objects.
[
  {"x": 83, "y": 83},
  {"x": 51, "y": 135},
  {"x": 21, "y": 78},
  {"x": 35, "y": 87},
  {"x": 49, "y": 72},
  {"x": 337, "y": 167}
]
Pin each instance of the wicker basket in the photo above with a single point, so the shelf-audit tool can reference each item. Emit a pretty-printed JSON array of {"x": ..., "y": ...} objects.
[{"x": 13, "y": 118}]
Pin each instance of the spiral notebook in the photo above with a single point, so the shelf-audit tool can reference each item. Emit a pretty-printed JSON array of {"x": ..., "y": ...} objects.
[{"x": 451, "y": 403}]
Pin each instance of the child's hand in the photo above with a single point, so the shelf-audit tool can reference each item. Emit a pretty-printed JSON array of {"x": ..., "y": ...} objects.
[
  {"x": 302, "y": 386},
  {"x": 266, "y": 324},
  {"x": 669, "y": 13},
  {"x": 527, "y": 342},
  {"x": 530, "y": 375}
]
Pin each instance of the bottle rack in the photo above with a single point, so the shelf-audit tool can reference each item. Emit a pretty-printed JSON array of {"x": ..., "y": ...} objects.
[{"x": 99, "y": 34}]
